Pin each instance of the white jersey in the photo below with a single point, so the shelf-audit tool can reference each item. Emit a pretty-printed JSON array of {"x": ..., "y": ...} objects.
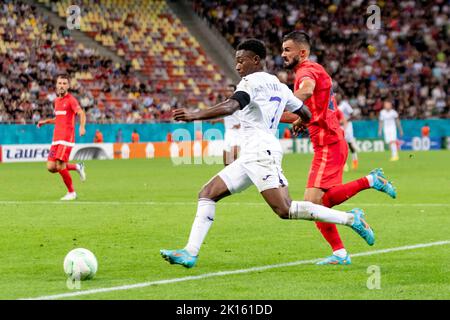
[
  {"x": 346, "y": 109},
  {"x": 260, "y": 118},
  {"x": 388, "y": 117},
  {"x": 232, "y": 120}
]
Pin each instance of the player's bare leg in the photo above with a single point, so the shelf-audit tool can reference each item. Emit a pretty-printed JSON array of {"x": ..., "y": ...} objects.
[
  {"x": 51, "y": 167},
  {"x": 212, "y": 192},
  {"x": 231, "y": 156}
]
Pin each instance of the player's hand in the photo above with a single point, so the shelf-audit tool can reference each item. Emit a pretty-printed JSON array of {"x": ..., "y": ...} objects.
[
  {"x": 40, "y": 123},
  {"x": 298, "y": 127},
  {"x": 82, "y": 131},
  {"x": 183, "y": 115}
]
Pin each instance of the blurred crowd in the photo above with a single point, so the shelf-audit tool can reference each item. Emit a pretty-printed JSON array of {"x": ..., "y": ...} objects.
[
  {"x": 33, "y": 52},
  {"x": 405, "y": 60}
]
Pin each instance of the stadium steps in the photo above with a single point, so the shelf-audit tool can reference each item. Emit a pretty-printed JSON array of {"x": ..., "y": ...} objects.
[
  {"x": 78, "y": 36},
  {"x": 215, "y": 46}
]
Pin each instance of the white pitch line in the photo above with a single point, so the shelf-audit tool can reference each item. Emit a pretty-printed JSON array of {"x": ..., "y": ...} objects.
[
  {"x": 158, "y": 203},
  {"x": 227, "y": 273}
]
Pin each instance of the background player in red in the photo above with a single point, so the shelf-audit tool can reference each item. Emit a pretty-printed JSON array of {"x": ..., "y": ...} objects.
[
  {"x": 313, "y": 86},
  {"x": 66, "y": 108}
]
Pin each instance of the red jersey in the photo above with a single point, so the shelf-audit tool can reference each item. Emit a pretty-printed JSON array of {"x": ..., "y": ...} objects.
[
  {"x": 65, "y": 111},
  {"x": 339, "y": 115},
  {"x": 324, "y": 126}
]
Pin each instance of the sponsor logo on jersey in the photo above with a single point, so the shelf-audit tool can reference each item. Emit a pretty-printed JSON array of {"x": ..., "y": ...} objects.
[{"x": 61, "y": 113}]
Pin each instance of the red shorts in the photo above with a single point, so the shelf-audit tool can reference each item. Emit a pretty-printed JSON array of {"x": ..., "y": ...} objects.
[
  {"x": 328, "y": 164},
  {"x": 59, "y": 152}
]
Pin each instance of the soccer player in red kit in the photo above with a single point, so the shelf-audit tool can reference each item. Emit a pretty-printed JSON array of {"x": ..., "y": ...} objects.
[
  {"x": 66, "y": 108},
  {"x": 313, "y": 86}
]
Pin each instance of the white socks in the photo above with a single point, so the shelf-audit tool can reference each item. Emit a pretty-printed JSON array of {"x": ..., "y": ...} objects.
[
  {"x": 306, "y": 210},
  {"x": 341, "y": 253},
  {"x": 394, "y": 149},
  {"x": 370, "y": 179},
  {"x": 354, "y": 156},
  {"x": 203, "y": 221}
]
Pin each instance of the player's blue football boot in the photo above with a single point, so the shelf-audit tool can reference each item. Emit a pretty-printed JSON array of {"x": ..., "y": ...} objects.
[
  {"x": 335, "y": 260},
  {"x": 362, "y": 227},
  {"x": 179, "y": 257},
  {"x": 381, "y": 183}
]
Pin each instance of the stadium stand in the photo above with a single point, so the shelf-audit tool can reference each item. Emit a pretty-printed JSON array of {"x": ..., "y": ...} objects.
[
  {"x": 407, "y": 60},
  {"x": 33, "y": 52},
  {"x": 154, "y": 41}
]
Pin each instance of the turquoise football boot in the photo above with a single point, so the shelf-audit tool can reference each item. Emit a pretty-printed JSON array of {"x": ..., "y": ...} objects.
[
  {"x": 381, "y": 183},
  {"x": 362, "y": 227},
  {"x": 334, "y": 260},
  {"x": 179, "y": 257}
]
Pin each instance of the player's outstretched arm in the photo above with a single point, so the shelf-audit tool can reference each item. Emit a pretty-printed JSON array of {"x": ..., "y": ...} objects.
[
  {"x": 220, "y": 110},
  {"x": 306, "y": 89},
  {"x": 82, "y": 116},
  {"x": 45, "y": 121}
]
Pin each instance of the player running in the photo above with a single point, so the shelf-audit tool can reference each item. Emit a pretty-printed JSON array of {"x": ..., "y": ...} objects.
[
  {"x": 261, "y": 99},
  {"x": 389, "y": 121},
  {"x": 66, "y": 108},
  {"x": 347, "y": 111},
  {"x": 313, "y": 86}
]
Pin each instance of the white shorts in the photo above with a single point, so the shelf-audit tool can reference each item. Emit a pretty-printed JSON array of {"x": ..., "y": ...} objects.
[
  {"x": 349, "y": 137},
  {"x": 232, "y": 139},
  {"x": 390, "y": 136},
  {"x": 262, "y": 169}
]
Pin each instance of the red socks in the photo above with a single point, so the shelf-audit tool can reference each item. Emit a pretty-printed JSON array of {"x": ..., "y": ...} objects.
[
  {"x": 331, "y": 234},
  {"x": 67, "y": 179},
  {"x": 333, "y": 197},
  {"x": 71, "y": 166},
  {"x": 343, "y": 192}
]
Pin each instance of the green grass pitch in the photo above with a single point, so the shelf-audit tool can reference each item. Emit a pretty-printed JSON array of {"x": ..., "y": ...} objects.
[{"x": 129, "y": 209}]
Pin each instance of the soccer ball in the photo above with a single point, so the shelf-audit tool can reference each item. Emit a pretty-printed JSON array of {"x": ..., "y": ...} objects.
[{"x": 80, "y": 264}]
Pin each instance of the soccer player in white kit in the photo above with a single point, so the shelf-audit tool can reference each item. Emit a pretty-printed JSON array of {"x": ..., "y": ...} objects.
[
  {"x": 261, "y": 99},
  {"x": 347, "y": 110},
  {"x": 389, "y": 122},
  {"x": 232, "y": 126}
]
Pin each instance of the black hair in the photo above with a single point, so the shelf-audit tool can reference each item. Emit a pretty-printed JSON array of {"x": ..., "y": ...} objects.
[
  {"x": 64, "y": 76},
  {"x": 299, "y": 37},
  {"x": 231, "y": 85},
  {"x": 254, "y": 45}
]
